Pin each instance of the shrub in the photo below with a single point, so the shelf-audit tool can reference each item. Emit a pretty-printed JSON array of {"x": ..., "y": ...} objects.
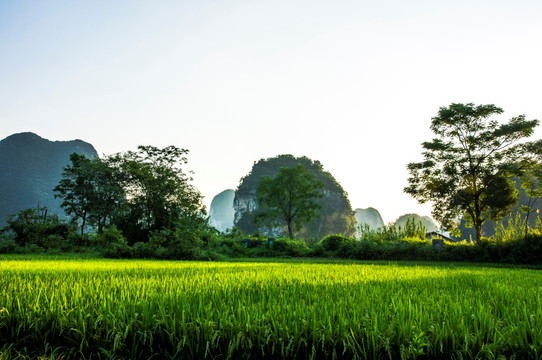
[
  {"x": 78, "y": 240},
  {"x": 334, "y": 242},
  {"x": 35, "y": 227},
  {"x": 290, "y": 247},
  {"x": 143, "y": 250},
  {"x": 8, "y": 244},
  {"x": 113, "y": 243}
]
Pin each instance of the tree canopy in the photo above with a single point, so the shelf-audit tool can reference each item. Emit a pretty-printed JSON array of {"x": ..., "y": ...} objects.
[
  {"x": 138, "y": 192},
  {"x": 90, "y": 191},
  {"x": 466, "y": 166},
  {"x": 289, "y": 197}
]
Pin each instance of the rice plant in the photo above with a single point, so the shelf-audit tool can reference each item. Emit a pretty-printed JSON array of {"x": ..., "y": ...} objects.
[{"x": 102, "y": 309}]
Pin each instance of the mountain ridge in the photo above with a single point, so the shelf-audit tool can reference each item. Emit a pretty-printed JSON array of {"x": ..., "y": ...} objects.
[{"x": 31, "y": 167}]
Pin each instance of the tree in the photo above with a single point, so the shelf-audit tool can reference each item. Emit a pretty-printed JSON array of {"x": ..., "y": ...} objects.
[
  {"x": 138, "y": 192},
  {"x": 76, "y": 190},
  {"x": 90, "y": 191},
  {"x": 35, "y": 226},
  {"x": 531, "y": 182},
  {"x": 465, "y": 167},
  {"x": 158, "y": 192},
  {"x": 289, "y": 196}
]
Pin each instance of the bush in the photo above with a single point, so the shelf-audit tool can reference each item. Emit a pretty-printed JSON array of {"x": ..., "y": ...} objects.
[
  {"x": 113, "y": 243},
  {"x": 290, "y": 247},
  {"x": 531, "y": 247},
  {"x": 8, "y": 244},
  {"x": 78, "y": 240},
  {"x": 229, "y": 247},
  {"x": 144, "y": 250},
  {"x": 334, "y": 242},
  {"x": 34, "y": 226}
]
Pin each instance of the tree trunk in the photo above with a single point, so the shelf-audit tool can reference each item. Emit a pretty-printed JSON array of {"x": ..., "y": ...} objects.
[
  {"x": 84, "y": 218},
  {"x": 101, "y": 223},
  {"x": 478, "y": 232},
  {"x": 290, "y": 230},
  {"x": 476, "y": 219},
  {"x": 527, "y": 222}
]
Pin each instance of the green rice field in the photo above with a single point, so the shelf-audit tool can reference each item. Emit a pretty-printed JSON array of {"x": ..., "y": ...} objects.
[{"x": 137, "y": 309}]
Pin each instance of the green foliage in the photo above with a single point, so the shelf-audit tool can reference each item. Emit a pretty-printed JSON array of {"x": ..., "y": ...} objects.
[
  {"x": 414, "y": 229},
  {"x": 335, "y": 242},
  {"x": 112, "y": 243},
  {"x": 8, "y": 245},
  {"x": 514, "y": 230},
  {"x": 465, "y": 167},
  {"x": 158, "y": 192},
  {"x": 34, "y": 227},
  {"x": 137, "y": 192},
  {"x": 290, "y": 247},
  {"x": 531, "y": 183},
  {"x": 266, "y": 310},
  {"x": 91, "y": 192},
  {"x": 390, "y": 232},
  {"x": 259, "y": 247},
  {"x": 190, "y": 239},
  {"x": 290, "y": 198}
]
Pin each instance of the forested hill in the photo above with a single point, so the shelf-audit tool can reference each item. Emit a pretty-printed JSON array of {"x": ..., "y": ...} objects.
[
  {"x": 335, "y": 215},
  {"x": 31, "y": 167}
]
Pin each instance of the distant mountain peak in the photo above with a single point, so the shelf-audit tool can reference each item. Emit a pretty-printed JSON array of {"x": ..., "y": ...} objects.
[
  {"x": 222, "y": 212},
  {"x": 31, "y": 167},
  {"x": 370, "y": 217}
]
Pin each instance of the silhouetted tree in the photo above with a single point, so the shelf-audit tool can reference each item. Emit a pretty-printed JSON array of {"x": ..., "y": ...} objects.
[
  {"x": 90, "y": 191},
  {"x": 464, "y": 172},
  {"x": 158, "y": 191}
]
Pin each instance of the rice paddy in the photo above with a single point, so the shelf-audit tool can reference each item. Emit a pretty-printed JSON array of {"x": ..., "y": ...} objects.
[{"x": 134, "y": 309}]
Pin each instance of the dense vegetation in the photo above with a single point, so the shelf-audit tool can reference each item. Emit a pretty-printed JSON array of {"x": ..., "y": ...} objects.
[
  {"x": 135, "y": 309},
  {"x": 141, "y": 205},
  {"x": 466, "y": 167},
  {"x": 33, "y": 231},
  {"x": 528, "y": 202}
]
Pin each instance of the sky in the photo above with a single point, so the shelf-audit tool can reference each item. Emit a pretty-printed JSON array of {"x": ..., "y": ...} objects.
[{"x": 353, "y": 84}]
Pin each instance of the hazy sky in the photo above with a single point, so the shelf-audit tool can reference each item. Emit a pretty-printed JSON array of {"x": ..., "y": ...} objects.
[{"x": 353, "y": 84}]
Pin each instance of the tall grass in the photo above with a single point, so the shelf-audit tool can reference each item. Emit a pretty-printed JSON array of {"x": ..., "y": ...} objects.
[
  {"x": 390, "y": 232},
  {"x": 516, "y": 229},
  {"x": 137, "y": 309}
]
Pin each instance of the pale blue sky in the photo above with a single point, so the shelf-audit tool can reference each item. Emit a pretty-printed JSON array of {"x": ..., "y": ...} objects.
[{"x": 353, "y": 84}]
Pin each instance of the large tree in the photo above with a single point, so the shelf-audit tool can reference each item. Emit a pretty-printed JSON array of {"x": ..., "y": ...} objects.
[
  {"x": 466, "y": 166},
  {"x": 289, "y": 197},
  {"x": 139, "y": 192},
  {"x": 158, "y": 191},
  {"x": 89, "y": 191}
]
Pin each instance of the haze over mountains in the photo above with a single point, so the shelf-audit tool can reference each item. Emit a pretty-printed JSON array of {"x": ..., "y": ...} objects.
[
  {"x": 31, "y": 168},
  {"x": 222, "y": 213}
]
